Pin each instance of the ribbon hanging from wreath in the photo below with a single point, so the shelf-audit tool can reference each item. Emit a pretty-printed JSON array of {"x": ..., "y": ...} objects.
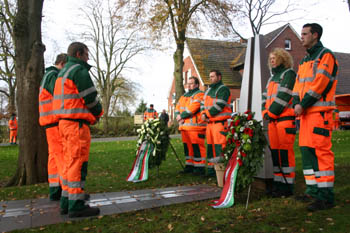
[
  {"x": 243, "y": 155},
  {"x": 152, "y": 145}
]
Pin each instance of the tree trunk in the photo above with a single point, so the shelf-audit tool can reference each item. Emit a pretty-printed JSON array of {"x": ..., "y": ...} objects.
[
  {"x": 33, "y": 153},
  {"x": 179, "y": 64},
  {"x": 105, "y": 106}
]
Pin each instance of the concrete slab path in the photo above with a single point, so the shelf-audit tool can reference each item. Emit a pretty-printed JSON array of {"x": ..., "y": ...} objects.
[{"x": 23, "y": 214}]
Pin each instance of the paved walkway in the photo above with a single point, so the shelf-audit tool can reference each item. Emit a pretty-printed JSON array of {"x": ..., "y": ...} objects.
[
  {"x": 111, "y": 139},
  {"x": 24, "y": 214}
]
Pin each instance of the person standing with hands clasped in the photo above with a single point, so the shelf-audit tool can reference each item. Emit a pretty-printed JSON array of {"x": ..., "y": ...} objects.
[
  {"x": 192, "y": 127},
  {"x": 216, "y": 109},
  {"x": 313, "y": 100},
  {"x": 49, "y": 121},
  {"x": 278, "y": 110},
  {"x": 76, "y": 106}
]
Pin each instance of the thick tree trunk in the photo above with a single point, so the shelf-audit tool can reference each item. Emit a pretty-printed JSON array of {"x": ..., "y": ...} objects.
[
  {"x": 32, "y": 158},
  {"x": 179, "y": 64}
]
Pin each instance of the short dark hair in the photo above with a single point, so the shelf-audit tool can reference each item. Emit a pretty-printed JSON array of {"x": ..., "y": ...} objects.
[
  {"x": 315, "y": 27},
  {"x": 196, "y": 81},
  {"x": 217, "y": 72},
  {"x": 76, "y": 47},
  {"x": 151, "y": 105},
  {"x": 61, "y": 58}
]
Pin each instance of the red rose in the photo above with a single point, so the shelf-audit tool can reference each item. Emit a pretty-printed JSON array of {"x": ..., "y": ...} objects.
[
  {"x": 237, "y": 122},
  {"x": 249, "y": 117},
  {"x": 238, "y": 143},
  {"x": 240, "y": 162},
  {"x": 247, "y": 112},
  {"x": 243, "y": 154}
]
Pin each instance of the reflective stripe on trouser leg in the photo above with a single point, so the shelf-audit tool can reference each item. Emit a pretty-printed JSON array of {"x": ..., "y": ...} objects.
[
  {"x": 216, "y": 140},
  {"x": 55, "y": 161},
  {"x": 77, "y": 142},
  {"x": 318, "y": 159},
  {"x": 281, "y": 139},
  {"x": 186, "y": 140},
  {"x": 197, "y": 151}
]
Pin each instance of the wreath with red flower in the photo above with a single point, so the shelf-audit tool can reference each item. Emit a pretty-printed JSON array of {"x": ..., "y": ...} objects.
[{"x": 247, "y": 135}]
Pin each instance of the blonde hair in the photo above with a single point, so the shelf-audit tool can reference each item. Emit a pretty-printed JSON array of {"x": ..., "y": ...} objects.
[{"x": 282, "y": 57}]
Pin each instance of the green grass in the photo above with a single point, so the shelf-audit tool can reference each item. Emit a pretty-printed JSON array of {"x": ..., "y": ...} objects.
[{"x": 111, "y": 162}]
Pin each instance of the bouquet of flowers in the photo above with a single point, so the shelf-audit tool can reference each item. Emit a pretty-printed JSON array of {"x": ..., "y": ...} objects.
[
  {"x": 152, "y": 145},
  {"x": 243, "y": 155}
]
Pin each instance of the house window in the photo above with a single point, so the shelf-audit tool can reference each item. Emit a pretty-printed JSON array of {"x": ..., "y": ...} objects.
[{"x": 287, "y": 44}]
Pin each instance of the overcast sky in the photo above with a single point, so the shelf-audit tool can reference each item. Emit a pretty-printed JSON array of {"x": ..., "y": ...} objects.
[{"x": 154, "y": 72}]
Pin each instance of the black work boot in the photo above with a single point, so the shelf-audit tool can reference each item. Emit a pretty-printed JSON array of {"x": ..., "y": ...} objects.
[
  {"x": 320, "y": 205},
  {"x": 86, "y": 212}
]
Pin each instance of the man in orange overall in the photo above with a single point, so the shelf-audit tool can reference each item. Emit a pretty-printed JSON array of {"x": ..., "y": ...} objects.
[
  {"x": 313, "y": 100},
  {"x": 48, "y": 120},
  {"x": 216, "y": 109},
  {"x": 76, "y": 105},
  {"x": 13, "y": 129},
  {"x": 192, "y": 127},
  {"x": 150, "y": 113}
]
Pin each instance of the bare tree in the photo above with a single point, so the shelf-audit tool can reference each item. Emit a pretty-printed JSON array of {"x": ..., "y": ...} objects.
[
  {"x": 32, "y": 158},
  {"x": 114, "y": 46},
  {"x": 227, "y": 17},
  {"x": 7, "y": 54},
  {"x": 163, "y": 18}
]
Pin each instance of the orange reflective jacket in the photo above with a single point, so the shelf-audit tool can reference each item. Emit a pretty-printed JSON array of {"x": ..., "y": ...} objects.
[
  {"x": 316, "y": 81},
  {"x": 212, "y": 102},
  {"x": 69, "y": 102},
  {"x": 150, "y": 114},
  {"x": 13, "y": 123},
  {"x": 277, "y": 100},
  {"x": 47, "y": 116},
  {"x": 189, "y": 109}
]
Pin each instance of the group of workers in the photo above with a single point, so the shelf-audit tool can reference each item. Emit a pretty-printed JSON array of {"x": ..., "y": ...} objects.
[
  {"x": 308, "y": 95},
  {"x": 68, "y": 104}
]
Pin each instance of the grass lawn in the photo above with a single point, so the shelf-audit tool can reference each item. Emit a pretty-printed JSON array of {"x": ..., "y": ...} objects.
[{"x": 110, "y": 163}]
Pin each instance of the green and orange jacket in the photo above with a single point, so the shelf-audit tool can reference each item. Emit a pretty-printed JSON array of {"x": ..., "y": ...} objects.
[
  {"x": 13, "y": 123},
  {"x": 216, "y": 102},
  {"x": 277, "y": 97},
  {"x": 316, "y": 81},
  {"x": 75, "y": 96},
  {"x": 189, "y": 109},
  {"x": 47, "y": 85},
  {"x": 150, "y": 114}
]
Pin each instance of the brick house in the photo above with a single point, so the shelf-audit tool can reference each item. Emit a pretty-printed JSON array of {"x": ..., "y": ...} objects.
[{"x": 201, "y": 56}]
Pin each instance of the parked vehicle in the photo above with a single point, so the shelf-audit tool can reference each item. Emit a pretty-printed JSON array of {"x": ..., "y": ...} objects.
[{"x": 343, "y": 105}]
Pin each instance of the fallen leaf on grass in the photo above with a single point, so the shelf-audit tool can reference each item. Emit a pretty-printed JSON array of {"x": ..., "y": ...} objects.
[
  {"x": 309, "y": 214},
  {"x": 42, "y": 228},
  {"x": 240, "y": 217},
  {"x": 329, "y": 219},
  {"x": 86, "y": 228},
  {"x": 99, "y": 217},
  {"x": 203, "y": 219},
  {"x": 170, "y": 227},
  {"x": 283, "y": 228},
  {"x": 308, "y": 221}
]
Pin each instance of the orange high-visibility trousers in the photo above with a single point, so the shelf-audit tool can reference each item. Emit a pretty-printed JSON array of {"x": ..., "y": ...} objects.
[
  {"x": 318, "y": 159},
  {"x": 13, "y": 135},
  {"x": 55, "y": 161},
  {"x": 216, "y": 139},
  {"x": 76, "y": 146},
  {"x": 194, "y": 147},
  {"x": 281, "y": 139}
]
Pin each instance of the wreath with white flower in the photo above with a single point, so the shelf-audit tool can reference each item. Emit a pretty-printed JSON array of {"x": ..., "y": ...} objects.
[
  {"x": 157, "y": 133},
  {"x": 246, "y": 134}
]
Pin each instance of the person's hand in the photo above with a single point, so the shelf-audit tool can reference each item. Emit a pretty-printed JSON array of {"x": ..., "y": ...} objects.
[
  {"x": 178, "y": 118},
  {"x": 298, "y": 109},
  {"x": 204, "y": 117}
]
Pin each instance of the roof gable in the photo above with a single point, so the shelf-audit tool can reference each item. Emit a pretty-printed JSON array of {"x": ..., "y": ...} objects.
[
  {"x": 221, "y": 55},
  {"x": 272, "y": 36}
]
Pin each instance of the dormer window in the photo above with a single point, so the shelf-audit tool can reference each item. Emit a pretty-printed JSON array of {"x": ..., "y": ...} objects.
[{"x": 287, "y": 44}]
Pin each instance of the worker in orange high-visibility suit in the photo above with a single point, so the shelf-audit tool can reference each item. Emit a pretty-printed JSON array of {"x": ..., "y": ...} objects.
[
  {"x": 76, "y": 106},
  {"x": 216, "y": 109},
  {"x": 49, "y": 121},
  {"x": 278, "y": 110},
  {"x": 13, "y": 128},
  {"x": 192, "y": 128},
  {"x": 313, "y": 100},
  {"x": 150, "y": 113}
]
